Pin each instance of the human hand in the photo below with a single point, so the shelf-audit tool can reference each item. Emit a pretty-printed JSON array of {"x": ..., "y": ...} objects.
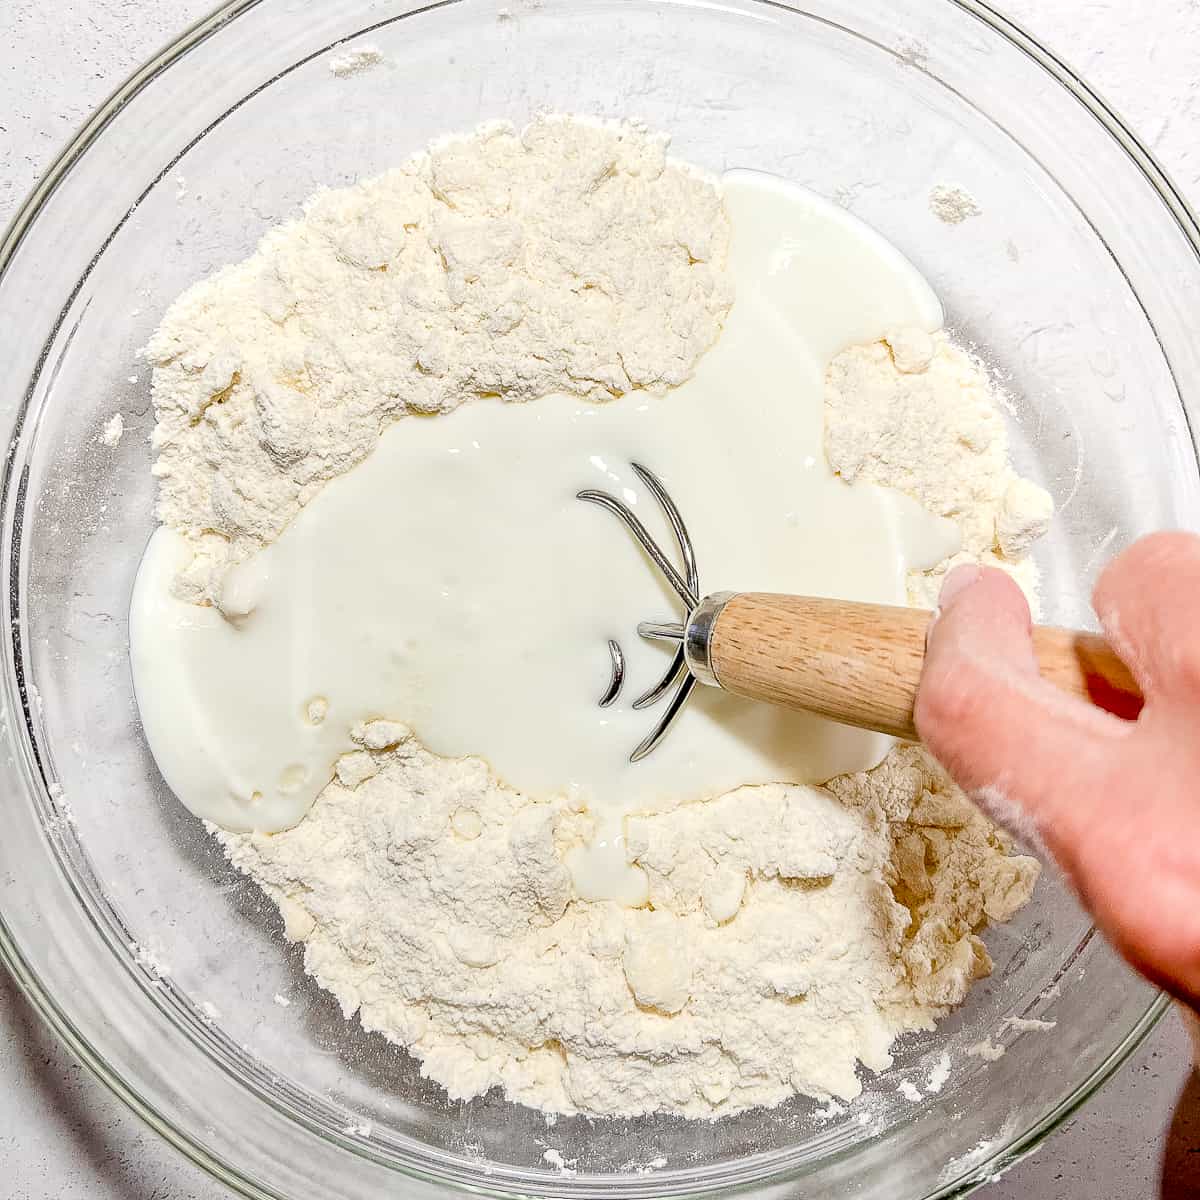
[{"x": 1116, "y": 802}]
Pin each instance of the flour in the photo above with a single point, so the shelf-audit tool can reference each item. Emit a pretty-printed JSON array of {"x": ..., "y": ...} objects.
[
  {"x": 858, "y": 922},
  {"x": 987, "y": 1050},
  {"x": 355, "y": 62},
  {"x": 564, "y": 1166},
  {"x": 114, "y": 429},
  {"x": 917, "y": 413},
  {"x": 939, "y": 1075},
  {"x": 1026, "y": 1025},
  {"x": 571, "y": 258},
  {"x": 792, "y": 933},
  {"x": 952, "y": 205}
]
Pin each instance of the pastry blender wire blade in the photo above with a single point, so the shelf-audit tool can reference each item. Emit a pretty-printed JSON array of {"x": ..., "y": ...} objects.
[
  {"x": 857, "y": 664},
  {"x": 686, "y": 586}
]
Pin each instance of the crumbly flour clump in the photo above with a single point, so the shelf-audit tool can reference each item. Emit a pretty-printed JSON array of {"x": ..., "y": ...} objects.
[
  {"x": 792, "y": 932},
  {"x": 917, "y": 413}
]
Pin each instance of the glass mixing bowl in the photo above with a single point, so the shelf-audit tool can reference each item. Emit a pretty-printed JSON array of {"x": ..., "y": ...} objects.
[{"x": 121, "y": 920}]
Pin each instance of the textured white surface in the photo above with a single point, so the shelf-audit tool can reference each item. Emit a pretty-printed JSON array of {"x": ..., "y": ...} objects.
[{"x": 61, "y": 1134}]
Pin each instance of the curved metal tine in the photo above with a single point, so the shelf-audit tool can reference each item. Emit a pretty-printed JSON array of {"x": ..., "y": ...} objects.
[
  {"x": 661, "y": 631},
  {"x": 660, "y": 560},
  {"x": 656, "y": 735},
  {"x": 665, "y": 502},
  {"x": 618, "y": 674},
  {"x": 650, "y": 698},
  {"x": 654, "y": 694}
]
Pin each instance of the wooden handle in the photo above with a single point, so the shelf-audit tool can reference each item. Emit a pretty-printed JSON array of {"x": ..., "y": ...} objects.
[{"x": 860, "y": 663}]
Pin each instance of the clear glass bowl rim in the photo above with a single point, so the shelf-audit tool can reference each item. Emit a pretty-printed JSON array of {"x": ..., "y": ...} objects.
[{"x": 27, "y": 214}]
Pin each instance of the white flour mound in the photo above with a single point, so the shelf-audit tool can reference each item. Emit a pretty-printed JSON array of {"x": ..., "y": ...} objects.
[
  {"x": 855, "y": 918},
  {"x": 793, "y": 932},
  {"x": 570, "y": 258}
]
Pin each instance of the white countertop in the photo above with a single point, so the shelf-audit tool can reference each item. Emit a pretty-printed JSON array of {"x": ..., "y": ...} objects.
[{"x": 61, "y": 1134}]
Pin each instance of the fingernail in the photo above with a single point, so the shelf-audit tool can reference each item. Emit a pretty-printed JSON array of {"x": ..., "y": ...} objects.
[{"x": 956, "y": 582}]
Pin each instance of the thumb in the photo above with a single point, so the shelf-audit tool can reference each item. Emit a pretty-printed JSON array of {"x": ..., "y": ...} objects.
[{"x": 1010, "y": 738}]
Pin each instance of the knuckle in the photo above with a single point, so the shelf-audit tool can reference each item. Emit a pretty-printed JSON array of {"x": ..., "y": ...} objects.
[
  {"x": 950, "y": 702},
  {"x": 1168, "y": 957},
  {"x": 1147, "y": 601},
  {"x": 1168, "y": 545},
  {"x": 1187, "y": 667},
  {"x": 1158, "y": 556},
  {"x": 1160, "y": 932},
  {"x": 1157, "y": 551}
]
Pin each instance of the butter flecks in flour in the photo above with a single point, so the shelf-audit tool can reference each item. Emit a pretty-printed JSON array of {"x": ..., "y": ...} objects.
[{"x": 452, "y": 580}]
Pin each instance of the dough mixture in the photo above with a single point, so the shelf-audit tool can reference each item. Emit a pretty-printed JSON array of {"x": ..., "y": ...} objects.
[{"x": 747, "y": 942}]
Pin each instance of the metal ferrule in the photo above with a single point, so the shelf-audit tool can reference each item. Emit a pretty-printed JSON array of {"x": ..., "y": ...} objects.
[{"x": 697, "y": 638}]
